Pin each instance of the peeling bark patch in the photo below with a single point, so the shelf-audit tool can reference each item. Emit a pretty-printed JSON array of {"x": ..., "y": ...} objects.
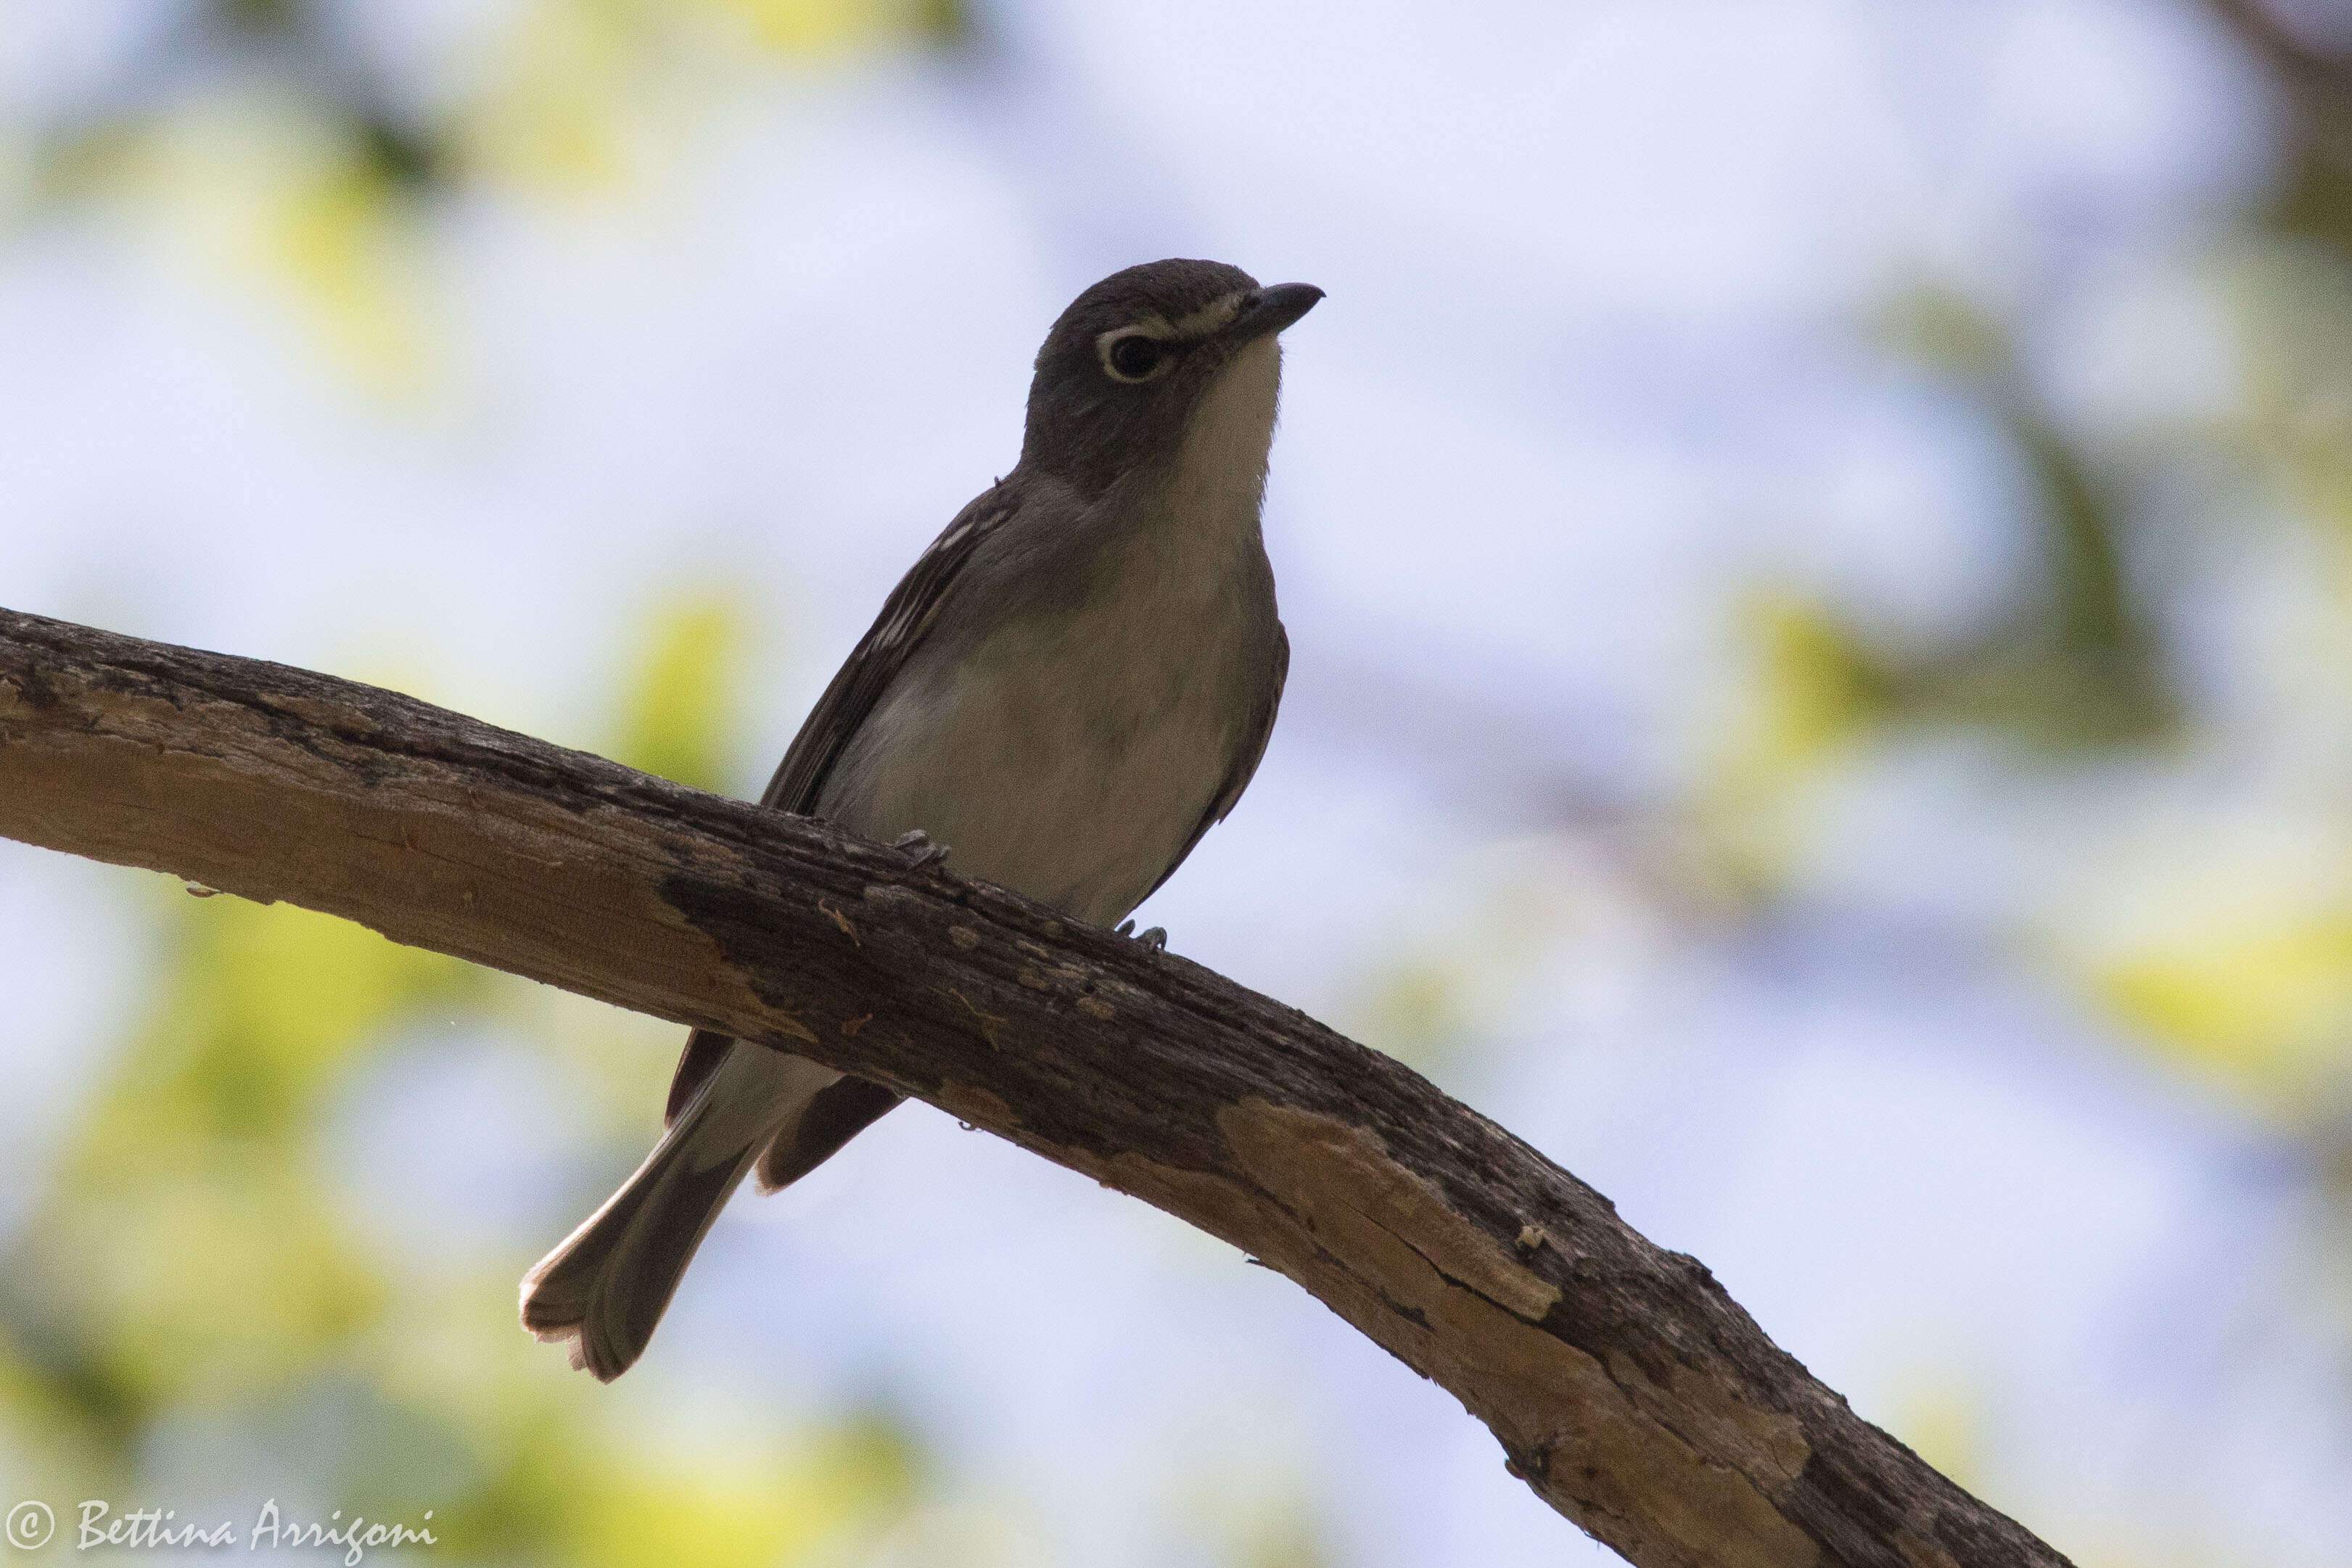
[
  {"x": 1338, "y": 1175},
  {"x": 988, "y": 1021},
  {"x": 968, "y": 1103},
  {"x": 839, "y": 920},
  {"x": 1918, "y": 1554},
  {"x": 1410, "y": 1314},
  {"x": 1869, "y": 1523},
  {"x": 1382, "y": 1245},
  {"x": 1770, "y": 1446},
  {"x": 791, "y": 1027},
  {"x": 733, "y": 921}
]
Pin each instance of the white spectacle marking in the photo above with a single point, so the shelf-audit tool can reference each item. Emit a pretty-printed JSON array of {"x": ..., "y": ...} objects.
[{"x": 1217, "y": 313}]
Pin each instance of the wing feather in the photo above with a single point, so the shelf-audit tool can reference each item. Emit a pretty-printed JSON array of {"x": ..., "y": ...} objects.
[
  {"x": 878, "y": 657},
  {"x": 1246, "y": 755},
  {"x": 848, "y": 703}
]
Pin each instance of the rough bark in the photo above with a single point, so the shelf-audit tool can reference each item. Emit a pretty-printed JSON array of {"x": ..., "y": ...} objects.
[{"x": 1625, "y": 1387}]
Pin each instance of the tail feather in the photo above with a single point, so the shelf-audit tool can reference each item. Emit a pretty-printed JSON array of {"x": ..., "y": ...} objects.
[
  {"x": 833, "y": 1116},
  {"x": 607, "y": 1285}
]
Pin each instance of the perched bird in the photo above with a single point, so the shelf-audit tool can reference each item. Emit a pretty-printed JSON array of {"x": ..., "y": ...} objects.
[{"x": 1072, "y": 685}]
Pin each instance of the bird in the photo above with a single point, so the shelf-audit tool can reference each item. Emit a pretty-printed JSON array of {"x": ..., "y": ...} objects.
[{"x": 1067, "y": 691}]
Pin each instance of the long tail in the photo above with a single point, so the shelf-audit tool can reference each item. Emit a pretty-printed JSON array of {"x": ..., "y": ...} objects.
[{"x": 606, "y": 1286}]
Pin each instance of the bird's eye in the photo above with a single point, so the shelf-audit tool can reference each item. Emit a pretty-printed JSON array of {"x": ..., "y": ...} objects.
[{"x": 1133, "y": 357}]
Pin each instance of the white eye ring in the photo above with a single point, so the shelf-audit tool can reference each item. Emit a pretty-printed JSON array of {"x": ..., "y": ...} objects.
[{"x": 1133, "y": 355}]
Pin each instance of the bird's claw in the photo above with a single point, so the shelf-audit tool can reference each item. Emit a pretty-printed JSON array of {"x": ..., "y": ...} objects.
[
  {"x": 1154, "y": 939},
  {"x": 921, "y": 850}
]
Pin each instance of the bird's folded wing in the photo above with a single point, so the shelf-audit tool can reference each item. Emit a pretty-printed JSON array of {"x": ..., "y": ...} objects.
[
  {"x": 857, "y": 687},
  {"x": 1246, "y": 755}
]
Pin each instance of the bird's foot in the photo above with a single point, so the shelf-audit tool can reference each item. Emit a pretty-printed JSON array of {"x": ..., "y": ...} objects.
[
  {"x": 1155, "y": 939},
  {"x": 920, "y": 851}
]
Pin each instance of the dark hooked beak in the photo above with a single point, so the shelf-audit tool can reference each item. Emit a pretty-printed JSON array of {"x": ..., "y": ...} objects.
[{"x": 1271, "y": 309}]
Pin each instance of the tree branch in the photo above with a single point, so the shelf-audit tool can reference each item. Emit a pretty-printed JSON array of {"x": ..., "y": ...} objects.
[{"x": 1626, "y": 1387}]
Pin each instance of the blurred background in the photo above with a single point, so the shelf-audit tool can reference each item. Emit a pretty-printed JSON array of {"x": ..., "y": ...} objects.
[{"x": 1818, "y": 540}]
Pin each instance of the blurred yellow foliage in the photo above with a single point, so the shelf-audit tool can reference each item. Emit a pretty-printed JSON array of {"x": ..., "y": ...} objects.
[
  {"x": 1281, "y": 1531},
  {"x": 681, "y": 716},
  {"x": 1944, "y": 1423},
  {"x": 301, "y": 185},
  {"x": 817, "y": 29},
  {"x": 1808, "y": 698},
  {"x": 554, "y": 114},
  {"x": 265, "y": 188},
  {"x": 2269, "y": 1008},
  {"x": 585, "y": 95},
  {"x": 1419, "y": 1006},
  {"x": 750, "y": 1509},
  {"x": 282, "y": 997},
  {"x": 194, "y": 1265},
  {"x": 185, "y": 1234},
  {"x": 342, "y": 244}
]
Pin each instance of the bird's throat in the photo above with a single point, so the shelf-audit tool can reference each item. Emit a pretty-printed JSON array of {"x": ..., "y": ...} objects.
[{"x": 1217, "y": 485}]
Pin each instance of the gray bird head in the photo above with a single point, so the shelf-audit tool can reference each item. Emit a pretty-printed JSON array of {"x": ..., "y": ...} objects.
[{"x": 1133, "y": 358}]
